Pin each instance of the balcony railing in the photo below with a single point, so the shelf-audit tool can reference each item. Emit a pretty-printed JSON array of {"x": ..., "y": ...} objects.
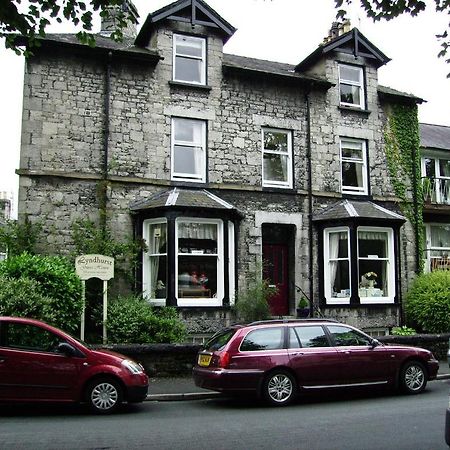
[
  {"x": 442, "y": 263},
  {"x": 436, "y": 190}
]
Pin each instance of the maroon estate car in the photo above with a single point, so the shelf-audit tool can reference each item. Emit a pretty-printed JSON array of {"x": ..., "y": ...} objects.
[
  {"x": 41, "y": 363},
  {"x": 278, "y": 359}
]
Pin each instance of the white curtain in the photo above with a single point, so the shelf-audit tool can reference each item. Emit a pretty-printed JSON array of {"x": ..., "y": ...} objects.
[
  {"x": 192, "y": 230},
  {"x": 334, "y": 239},
  {"x": 155, "y": 246},
  {"x": 198, "y": 150}
]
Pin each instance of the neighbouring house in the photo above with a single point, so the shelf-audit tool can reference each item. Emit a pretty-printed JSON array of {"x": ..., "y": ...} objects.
[
  {"x": 435, "y": 170},
  {"x": 221, "y": 162},
  {"x": 6, "y": 199}
]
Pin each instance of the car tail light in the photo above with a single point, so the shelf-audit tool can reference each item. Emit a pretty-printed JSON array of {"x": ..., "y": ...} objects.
[{"x": 220, "y": 359}]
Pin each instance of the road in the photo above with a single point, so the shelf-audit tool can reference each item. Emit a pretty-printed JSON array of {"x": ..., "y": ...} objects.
[{"x": 364, "y": 421}]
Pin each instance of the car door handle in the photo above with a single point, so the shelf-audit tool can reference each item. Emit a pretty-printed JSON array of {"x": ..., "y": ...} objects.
[
  {"x": 297, "y": 354},
  {"x": 2, "y": 359}
]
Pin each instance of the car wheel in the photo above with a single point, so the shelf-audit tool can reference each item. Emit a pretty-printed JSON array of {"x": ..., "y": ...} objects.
[
  {"x": 413, "y": 377},
  {"x": 104, "y": 395},
  {"x": 279, "y": 388}
]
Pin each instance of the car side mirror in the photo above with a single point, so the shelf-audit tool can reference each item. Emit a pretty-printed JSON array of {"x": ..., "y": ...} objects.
[
  {"x": 374, "y": 343},
  {"x": 66, "y": 349}
]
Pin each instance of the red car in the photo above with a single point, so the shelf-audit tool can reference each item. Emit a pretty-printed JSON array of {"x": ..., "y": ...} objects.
[
  {"x": 41, "y": 363},
  {"x": 278, "y": 359}
]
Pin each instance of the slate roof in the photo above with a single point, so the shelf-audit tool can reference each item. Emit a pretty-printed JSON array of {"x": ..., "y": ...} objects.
[
  {"x": 351, "y": 209},
  {"x": 387, "y": 92},
  {"x": 434, "y": 136},
  {"x": 185, "y": 198}
]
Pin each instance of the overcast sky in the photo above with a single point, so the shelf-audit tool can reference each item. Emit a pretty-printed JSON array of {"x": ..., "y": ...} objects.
[{"x": 277, "y": 30}]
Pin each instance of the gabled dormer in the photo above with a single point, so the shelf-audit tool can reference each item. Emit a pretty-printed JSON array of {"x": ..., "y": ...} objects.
[
  {"x": 189, "y": 35},
  {"x": 348, "y": 59}
]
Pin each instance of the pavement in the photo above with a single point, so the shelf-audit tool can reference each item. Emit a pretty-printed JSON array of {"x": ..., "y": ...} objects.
[{"x": 184, "y": 388}]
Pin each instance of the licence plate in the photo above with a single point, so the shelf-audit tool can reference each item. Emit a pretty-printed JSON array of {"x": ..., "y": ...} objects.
[{"x": 204, "y": 360}]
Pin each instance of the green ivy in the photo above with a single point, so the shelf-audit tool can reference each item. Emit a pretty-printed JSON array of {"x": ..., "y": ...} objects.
[{"x": 403, "y": 161}]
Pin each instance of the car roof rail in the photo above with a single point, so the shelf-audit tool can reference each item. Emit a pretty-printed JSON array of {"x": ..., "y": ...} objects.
[{"x": 275, "y": 321}]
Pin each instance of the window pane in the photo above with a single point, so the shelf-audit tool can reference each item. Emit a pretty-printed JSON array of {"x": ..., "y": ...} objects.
[
  {"x": 275, "y": 141},
  {"x": 350, "y": 73},
  {"x": 199, "y": 238},
  {"x": 265, "y": 339},
  {"x": 350, "y": 94},
  {"x": 293, "y": 340},
  {"x": 218, "y": 341},
  {"x": 275, "y": 167},
  {"x": 189, "y": 70},
  {"x": 158, "y": 276},
  {"x": 30, "y": 337},
  {"x": 352, "y": 152},
  {"x": 440, "y": 235},
  {"x": 197, "y": 276},
  {"x": 340, "y": 279},
  {"x": 346, "y": 336},
  {"x": 373, "y": 275},
  {"x": 444, "y": 167},
  {"x": 187, "y": 160},
  {"x": 312, "y": 336},
  {"x": 338, "y": 245},
  {"x": 373, "y": 244},
  {"x": 352, "y": 175},
  {"x": 429, "y": 168},
  {"x": 157, "y": 238},
  {"x": 189, "y": 46},
  {"x": 187, "y": 130}
]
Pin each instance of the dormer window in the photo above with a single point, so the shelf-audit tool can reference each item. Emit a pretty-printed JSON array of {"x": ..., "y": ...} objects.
[
  {"x": 189, "y": 59},
  {"x": 351, "y": 86}
]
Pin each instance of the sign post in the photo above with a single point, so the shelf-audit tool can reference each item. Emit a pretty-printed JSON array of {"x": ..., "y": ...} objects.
[{"x": 95, "y": 266}]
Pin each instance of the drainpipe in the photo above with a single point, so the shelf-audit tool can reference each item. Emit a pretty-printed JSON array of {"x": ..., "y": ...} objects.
[
  {"x": 103, "y": 200},
  {"x": 310, "y": 203}
]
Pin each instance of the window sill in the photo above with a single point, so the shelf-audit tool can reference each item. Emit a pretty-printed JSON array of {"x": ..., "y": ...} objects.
[
  {"x": 181, "y": 84},
  {"x": 279, "y": 189},
  {"x": 353, "y": 109}
]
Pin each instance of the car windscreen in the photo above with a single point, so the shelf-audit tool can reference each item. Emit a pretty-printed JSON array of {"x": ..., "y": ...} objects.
[{"x": 219, "y": 340}]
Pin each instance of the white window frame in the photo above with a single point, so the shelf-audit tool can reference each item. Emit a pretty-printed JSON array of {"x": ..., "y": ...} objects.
[
  {"x": 218, "y": 300},
  {"x": 359, "y": 84},
  {"x": 201, "y": 176},
  {"x": 271, "y": 183},
  {"x": 438, "y": 178},
  {"x": 343, "y": 142},
  {"x": 146, "y": 262},
  {"x": 429, "y": 248},
  {"x": 327, "y": 276},
  {"x": 202, "y": 59},
  {"x": 390, "y": 260}
]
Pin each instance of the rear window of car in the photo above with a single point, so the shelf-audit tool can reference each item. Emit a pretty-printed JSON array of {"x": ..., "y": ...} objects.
[
  {"x": 219, "y": 340},
  {"x": 263, "y": 339}
]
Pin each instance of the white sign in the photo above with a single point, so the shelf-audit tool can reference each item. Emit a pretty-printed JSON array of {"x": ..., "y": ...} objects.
[{"x": 94, "y": 266}]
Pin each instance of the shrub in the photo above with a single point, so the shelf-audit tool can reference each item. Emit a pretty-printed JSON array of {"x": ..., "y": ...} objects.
[
  {"x": 132, "y": 320},
  {"x": 252, "y": 301},
  {"x": 16, "y": 238},
  {"x": 57, "y": 280},
  {"x": 23, "y": 298},
  {"x": 403, "y": 331},
  {"x": 428, "y": 302}
]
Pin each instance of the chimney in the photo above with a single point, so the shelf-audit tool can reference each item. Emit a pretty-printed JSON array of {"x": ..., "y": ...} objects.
[
  {"x": 337, "y": 29},
  {"x": 112, "y": 14}
]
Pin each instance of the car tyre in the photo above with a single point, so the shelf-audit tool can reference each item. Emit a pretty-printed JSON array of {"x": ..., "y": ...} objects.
[
  {"x": 104, "y": 395},
  {"x": 279, "y": 388},
  {"x": 413, "y": 377}
]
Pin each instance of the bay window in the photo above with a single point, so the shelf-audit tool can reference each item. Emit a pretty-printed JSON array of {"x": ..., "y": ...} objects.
[
  {"x": 437, "y": 246},
  {"x": 189, "y": 59},
  {"x": 188, "y": 160},
  {"x": 351, "y": 86},
  {"x": 277, "y": 158},
  {"x": 368, "y": 277}
]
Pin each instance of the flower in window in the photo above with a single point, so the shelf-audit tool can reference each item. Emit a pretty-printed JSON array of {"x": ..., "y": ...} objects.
[{"x": 370, "y": 276}]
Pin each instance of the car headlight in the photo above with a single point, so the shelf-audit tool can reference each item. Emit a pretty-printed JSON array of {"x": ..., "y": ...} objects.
[{"x": 133, "y": 367}]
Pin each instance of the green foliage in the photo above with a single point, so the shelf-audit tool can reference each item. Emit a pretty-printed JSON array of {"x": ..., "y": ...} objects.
[
  {"x": 56, "y": 278},
  {"x": 403, "y": 161},
  {"x": 16, "y": 238},
  {"x": 90, "y": 238},
  {"x": 252, "y": 301},
  {"x": 132, "y": 320},
  {"x": 303, "y": 303},
  {"x": 23, "y": 297},
  {"x": 403, "y": 331},
  {"x": 32, "y": 18},
  {"x": 428, "y": 302}
]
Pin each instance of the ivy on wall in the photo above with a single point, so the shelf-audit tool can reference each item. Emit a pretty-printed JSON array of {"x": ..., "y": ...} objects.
[{"x": 403, "y": 161}]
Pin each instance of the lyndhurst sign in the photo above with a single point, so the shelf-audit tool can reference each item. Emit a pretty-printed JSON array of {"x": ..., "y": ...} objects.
[{"x": 94, "y": 266}]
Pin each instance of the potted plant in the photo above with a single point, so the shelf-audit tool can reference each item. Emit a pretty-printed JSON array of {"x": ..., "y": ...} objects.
[{"x": 303, "y": 308}]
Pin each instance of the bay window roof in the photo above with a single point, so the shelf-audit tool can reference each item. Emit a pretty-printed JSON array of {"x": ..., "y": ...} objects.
[{"x": 350, "y": 209}]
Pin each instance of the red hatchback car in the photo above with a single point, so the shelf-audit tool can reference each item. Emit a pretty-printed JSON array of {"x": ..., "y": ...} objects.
[
  {"x": 278, "y": 359},
  {"x": 41, "y": 363}
]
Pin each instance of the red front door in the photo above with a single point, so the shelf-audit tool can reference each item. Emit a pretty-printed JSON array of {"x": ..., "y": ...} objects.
[{"x": 275, "y": 260}]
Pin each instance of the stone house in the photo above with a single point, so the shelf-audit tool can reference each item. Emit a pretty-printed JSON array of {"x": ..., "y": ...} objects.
[
  {"x": 221, "y": 162},
  {"x": 435, "y": 170}
]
